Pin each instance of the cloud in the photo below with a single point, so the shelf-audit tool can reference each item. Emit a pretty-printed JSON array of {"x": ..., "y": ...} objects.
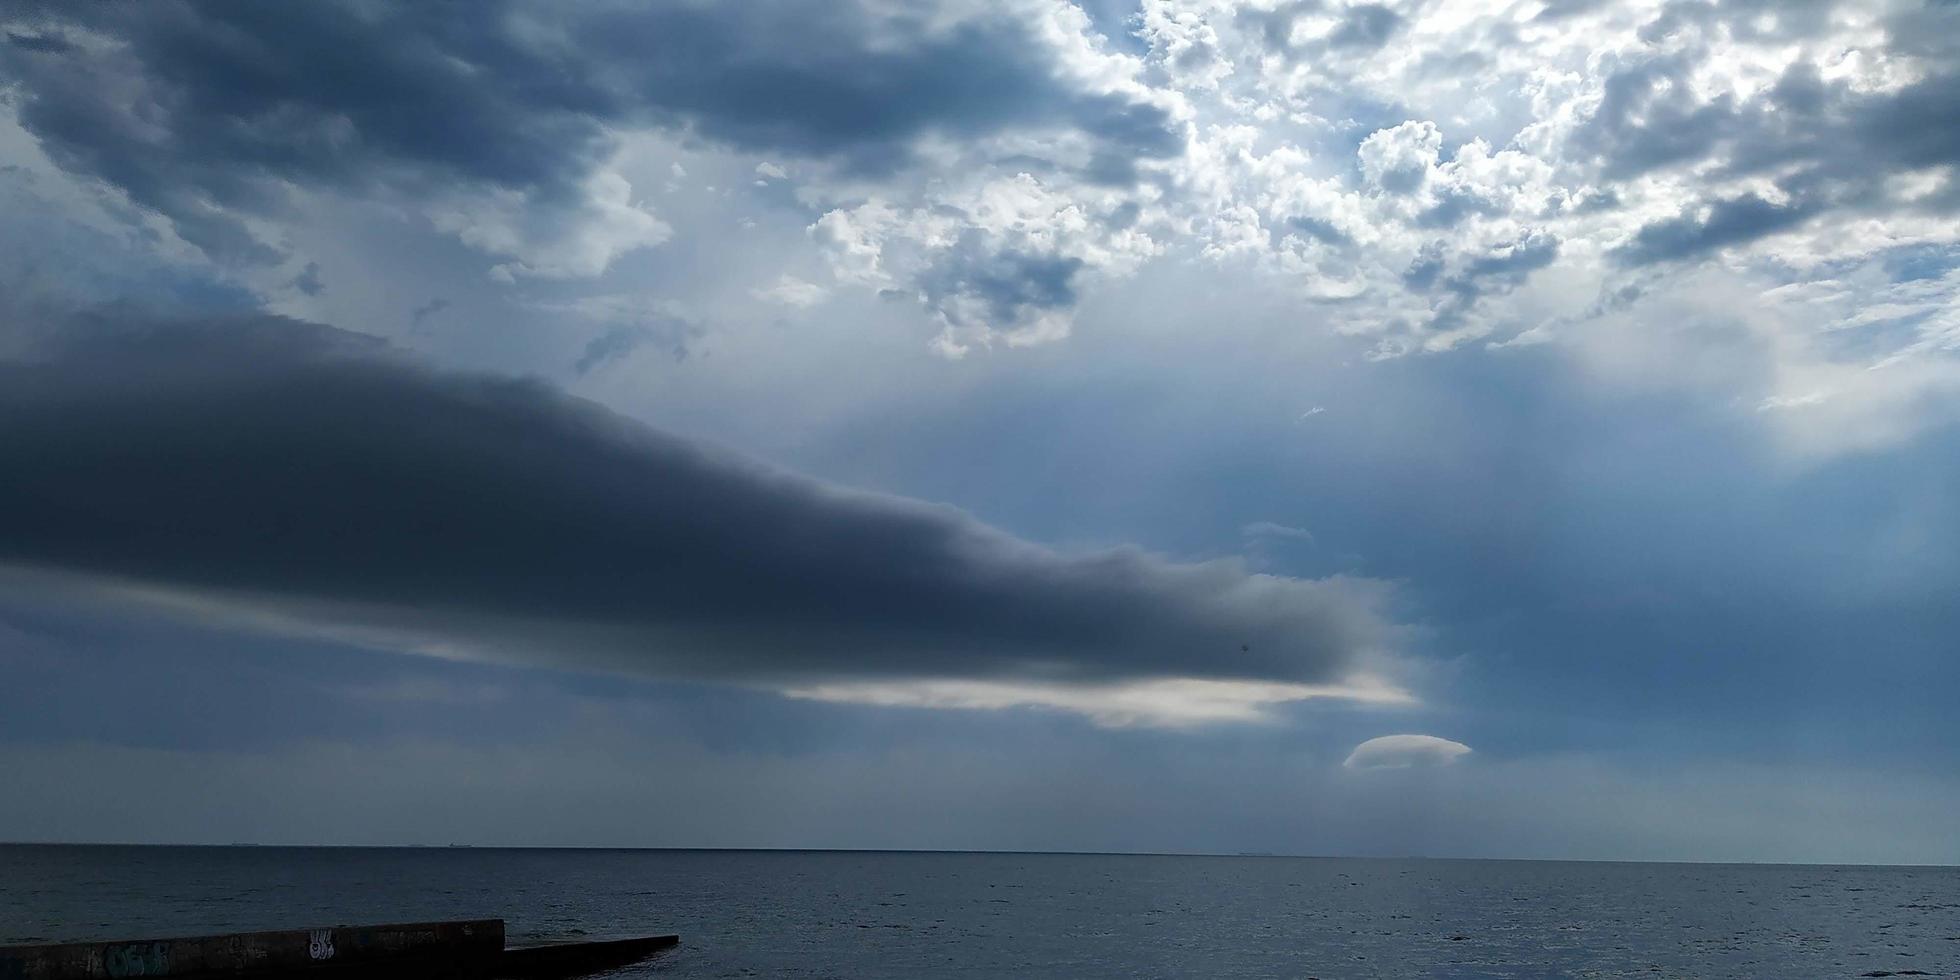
[
  {"x": 1731, "y": 222},
  {"x": 856, "y": 83},
  {"x": 308, "y": 280},
  {"x": 1163, "y": 703},
  {"x": 504, "y": 121},
  {"x": 422, "y": 313},
  {"x": 1497, "y": 269},
  {"x": 999, "y": 165},
  {"x": 1258, "y": 530},
  {"x": 669, "y": 333},
  {"x": 1366, "y": 25},
  {"x": 998, "y": 262},
  {"x": 310, "y": 479},
  {"x": 1404, "y": 752},
  {"x": 39, "y": 43},
  {"x": 794, "y": 292},
  {"x": 574, "y": 240},
  {"x": 1398, "y": 159},
  {"x": 1008, "y": 293},
  {"x": 1264, "y": 541},
  {"x": 203, "y": 113},
  {"x": 513, "y": 129},
  {"x": 1829, "y": 138}
]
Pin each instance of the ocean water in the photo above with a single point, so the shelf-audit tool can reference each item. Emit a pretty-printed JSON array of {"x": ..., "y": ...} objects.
[{"x": 910, "y": 915}]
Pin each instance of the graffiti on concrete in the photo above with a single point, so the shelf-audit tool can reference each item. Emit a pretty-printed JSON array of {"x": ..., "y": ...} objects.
[
  {"x": 136, "y": 959},
  {"x": 319, "y": 944}
]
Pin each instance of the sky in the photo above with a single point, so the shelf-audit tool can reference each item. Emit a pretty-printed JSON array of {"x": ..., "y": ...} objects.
[{"x": 1498, "y": 428}]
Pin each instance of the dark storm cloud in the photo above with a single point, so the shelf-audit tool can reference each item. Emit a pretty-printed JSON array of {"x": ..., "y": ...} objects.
[
  {"x": 204, "y": 112},
  {"x": 199, "y": 111},
  {"x": 810, "y": 78},
  {"x": 265, "y": 464}
]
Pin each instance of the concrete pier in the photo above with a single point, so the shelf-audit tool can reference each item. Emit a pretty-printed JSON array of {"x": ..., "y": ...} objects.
[
  {"x": 472, "y": 948},
  {"x": 573, "y": 959}
]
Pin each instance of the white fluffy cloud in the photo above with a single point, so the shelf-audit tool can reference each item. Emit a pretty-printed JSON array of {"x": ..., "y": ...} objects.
[
  {"x": 999, "y": 261},
  {"x": 539, "y": 241}
]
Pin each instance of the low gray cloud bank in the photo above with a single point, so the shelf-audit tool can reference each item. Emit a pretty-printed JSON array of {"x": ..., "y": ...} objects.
[{"x": 318, "y": 475}]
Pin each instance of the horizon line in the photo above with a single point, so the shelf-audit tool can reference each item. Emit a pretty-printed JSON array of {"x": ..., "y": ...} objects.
[{"x": 460, "y": 846}]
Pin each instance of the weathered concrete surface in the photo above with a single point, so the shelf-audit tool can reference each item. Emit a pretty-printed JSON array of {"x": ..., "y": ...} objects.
[
  {"x": 573, "y": 959},
  {"x": 467, "y": 947}
]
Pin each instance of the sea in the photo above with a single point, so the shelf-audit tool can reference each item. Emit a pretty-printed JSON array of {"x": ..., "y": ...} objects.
[{"x": 912, "y": 915}]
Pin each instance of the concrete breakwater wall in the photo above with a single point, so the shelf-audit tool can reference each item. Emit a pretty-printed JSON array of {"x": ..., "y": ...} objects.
[{"x": 428, "y": 948}]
